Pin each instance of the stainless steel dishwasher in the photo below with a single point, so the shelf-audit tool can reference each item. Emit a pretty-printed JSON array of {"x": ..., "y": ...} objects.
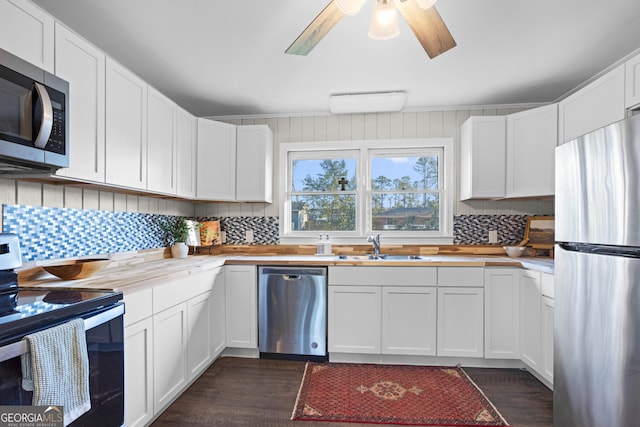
[{"x": 292, "y": 312}]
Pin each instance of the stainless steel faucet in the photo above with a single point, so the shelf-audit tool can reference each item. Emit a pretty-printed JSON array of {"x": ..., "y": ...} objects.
[{"x": 375, "y": 241}]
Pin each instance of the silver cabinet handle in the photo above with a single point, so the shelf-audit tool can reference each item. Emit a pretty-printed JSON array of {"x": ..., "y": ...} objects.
[
  {"x": 19, "y": 348},
  {"x": 47, "y": 116}
]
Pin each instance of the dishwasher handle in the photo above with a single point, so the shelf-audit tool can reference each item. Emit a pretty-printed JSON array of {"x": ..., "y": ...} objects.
[
  {"x": 291, "y": 277},
  {"x": 292, "y": 271}
]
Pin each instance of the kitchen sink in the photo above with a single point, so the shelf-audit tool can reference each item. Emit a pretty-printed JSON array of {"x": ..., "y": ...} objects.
[{"x": 382, "y": 257}]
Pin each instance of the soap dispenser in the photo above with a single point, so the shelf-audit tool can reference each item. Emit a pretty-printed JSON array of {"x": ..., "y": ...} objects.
[
  {"x": 320, "y": 246},
  {"x": 327, "y": 246}
]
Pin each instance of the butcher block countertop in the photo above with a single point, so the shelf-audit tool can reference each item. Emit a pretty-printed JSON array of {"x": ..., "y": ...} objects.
[{"x": 133, "y": 274}]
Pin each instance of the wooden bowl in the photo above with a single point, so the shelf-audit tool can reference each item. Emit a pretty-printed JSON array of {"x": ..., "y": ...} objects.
[{"x": 77, "y": 269}]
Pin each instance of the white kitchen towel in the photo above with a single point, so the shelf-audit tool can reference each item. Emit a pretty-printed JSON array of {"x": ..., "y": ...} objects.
[{"x": 56, "y": 368}]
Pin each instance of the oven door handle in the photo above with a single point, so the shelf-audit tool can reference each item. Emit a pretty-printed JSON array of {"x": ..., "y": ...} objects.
[{"x": 19, "y": 348}]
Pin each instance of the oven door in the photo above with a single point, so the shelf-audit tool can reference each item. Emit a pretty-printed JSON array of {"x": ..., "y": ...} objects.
[{"x": 105, "y": 344}]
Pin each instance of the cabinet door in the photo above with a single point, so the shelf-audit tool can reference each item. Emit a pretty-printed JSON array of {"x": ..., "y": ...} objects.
[
  {"x": 216, "y": 161},
  {"x": 482, "y": 157},
  {"x": 241, "y": 306},
  {"x": 547, "y": 338},
  {"x": 409, "y": 320},
  {"x": 169, "y": 355},
  {"x": 218, "y": 315},
  {"x": 460, "y": 322},
  {"x": 532, "y": 136},
  {"x": 138, "y": 373},
  {"x": 254, "y": 174},
  {"x": 83, "y": 66},
  {"x": 632, "y": 84},
  {"x": 126, "y": 127},
  {"x": 186, "y": 154},
  {"x": 530, "y": 318},
  {"x": 502, "y": 313},
  {"x": 161, "y": 147},
  {"x": 27, "y": 32},
  {"x": 199, "y": 333},
  {"x": 596, "y": 105},
  {"x": 354, "y": 319}
]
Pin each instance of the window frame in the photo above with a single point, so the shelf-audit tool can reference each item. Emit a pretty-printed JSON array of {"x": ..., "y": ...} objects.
[{"x": 365, "y": 149}]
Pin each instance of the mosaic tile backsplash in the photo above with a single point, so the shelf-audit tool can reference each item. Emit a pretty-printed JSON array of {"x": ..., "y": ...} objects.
[
  {"x": 265, "y": 229},
  {"x": 53, "y": 233},
  {"x": 474, "y": 229}
]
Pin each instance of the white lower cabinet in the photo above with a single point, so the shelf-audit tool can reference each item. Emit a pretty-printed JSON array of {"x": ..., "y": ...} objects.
[
  {"x": 173, "y": 332},
  {"x": 241, "y": 294},
  {"x": 460, "y": 322},
  {"x": 354, "y": 319},
  {"x": 547, "y": 338},
  {"x": 199, "y": 325},
  {"x": 382, "y": 310},
  {"x": 170, "y": 334},
  {"x": 501, "y": 313},
  {"x": 530, "y": 306},
  {"x": 409, "y": 320},
  {"x": 138, "y": 379},
  {"x": 218, "y": 314}
]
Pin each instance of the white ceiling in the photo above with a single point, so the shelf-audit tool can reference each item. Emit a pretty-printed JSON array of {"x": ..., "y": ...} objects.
[{"x": 226, "y": 58}]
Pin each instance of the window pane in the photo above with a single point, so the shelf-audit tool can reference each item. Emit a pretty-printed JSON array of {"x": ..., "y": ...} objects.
[
  {"x": 404, "y": 173},
  {"x": 323, "y": 175},
  {"x": 328, "y": 212},
  {"x": 405, "y": 211}
]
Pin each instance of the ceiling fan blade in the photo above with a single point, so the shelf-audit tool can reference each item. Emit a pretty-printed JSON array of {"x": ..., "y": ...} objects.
[
  {"x": 428, "y": 26},
  {"x": 318, "y": 28}
]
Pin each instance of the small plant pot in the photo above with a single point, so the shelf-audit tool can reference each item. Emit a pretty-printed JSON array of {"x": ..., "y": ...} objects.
[{"x": 179, "y": 250}]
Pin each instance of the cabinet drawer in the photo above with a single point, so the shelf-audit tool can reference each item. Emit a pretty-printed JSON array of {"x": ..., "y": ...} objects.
[
  {"x": 382, "y": 276},
  {"x": 461, "y": 276},
  {"x": 138, "y": 306}
]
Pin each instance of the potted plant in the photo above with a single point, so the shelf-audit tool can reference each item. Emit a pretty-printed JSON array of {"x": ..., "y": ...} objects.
[{"x": 176, "y": 233}]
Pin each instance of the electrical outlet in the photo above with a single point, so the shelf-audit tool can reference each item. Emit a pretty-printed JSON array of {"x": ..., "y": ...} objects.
[
  {"x": 223, "y": 236},
  {"x": 493, "y": 236},
  {"x": 248, "y": 236}
]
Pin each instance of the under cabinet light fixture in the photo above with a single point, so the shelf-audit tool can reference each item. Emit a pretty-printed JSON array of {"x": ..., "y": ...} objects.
[{"x": 377, "y": 102}]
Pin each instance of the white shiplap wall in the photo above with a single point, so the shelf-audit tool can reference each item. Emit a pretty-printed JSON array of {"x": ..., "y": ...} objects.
[
  {"x": 423, "y": 124},
  {"x": 59, "y": 196}
]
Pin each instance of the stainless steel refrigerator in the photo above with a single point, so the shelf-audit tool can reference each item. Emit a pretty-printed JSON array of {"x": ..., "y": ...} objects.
[{"x": 597, "y": 279}]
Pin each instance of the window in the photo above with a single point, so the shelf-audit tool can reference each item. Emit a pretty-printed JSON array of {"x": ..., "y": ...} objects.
[
  {"x": 323, "y": 193},
  {"x": 400, "y": 189},
  {"x": 405, "y": 191}
]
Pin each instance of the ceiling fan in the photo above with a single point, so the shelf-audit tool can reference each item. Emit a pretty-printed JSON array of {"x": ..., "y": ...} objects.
[{"x": 421, "y": 15}]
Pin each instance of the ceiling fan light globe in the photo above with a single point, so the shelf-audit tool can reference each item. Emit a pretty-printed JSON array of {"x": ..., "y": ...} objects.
[
  {"x": 350, "y": 7},
  {"x": 426, "y": 4},
  {"x": 384, "y": 22}
]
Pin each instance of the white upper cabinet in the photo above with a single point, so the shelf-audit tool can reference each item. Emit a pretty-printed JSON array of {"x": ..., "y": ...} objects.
[
  {"x": 27, "y": 32},
  {"x": 161, "y": 146},
  {"x": 632, "y": 85},
  {"x": 216, "y": 161},
  {"x": 596, "y": 105},
  {"x": 532, "y": 136},
  {"x": 126, "y": 127},
  {"x": 234, "y": 163},
  {"x": 482, "y": 158},
  {"x": 186, "y": 129},
  {"x": 254, "y": 155},
  {"x": 83, "y": 66}
]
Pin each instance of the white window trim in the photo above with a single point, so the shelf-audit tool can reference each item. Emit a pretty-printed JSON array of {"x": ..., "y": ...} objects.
[{"x": 445, "y": 236}]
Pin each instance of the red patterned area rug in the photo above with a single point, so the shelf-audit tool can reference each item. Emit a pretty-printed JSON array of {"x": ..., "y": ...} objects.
[{"x": 393, "y": 394}]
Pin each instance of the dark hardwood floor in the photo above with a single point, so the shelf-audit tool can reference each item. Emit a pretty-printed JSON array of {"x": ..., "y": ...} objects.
[{"x": 259, "y": 392}]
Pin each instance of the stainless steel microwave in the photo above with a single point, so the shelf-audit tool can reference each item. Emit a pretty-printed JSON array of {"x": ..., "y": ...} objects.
[{"x": 34, "y": 115}]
